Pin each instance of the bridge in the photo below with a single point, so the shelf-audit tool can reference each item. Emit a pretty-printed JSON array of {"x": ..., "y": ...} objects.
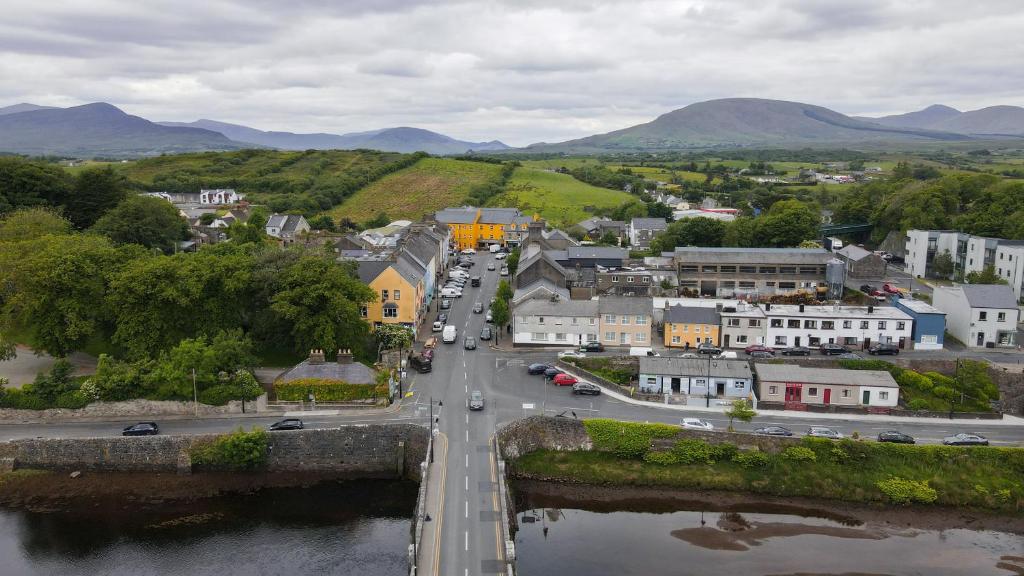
[{"x": 852, "y": 229}]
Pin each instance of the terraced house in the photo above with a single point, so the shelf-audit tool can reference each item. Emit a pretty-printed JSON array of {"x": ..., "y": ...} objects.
[
  {"x": 481, "y": 227},
  {"x": 691, "y": 326},
  {"x": 401, "y": 290},
  {"x": 625, "y": 321}
]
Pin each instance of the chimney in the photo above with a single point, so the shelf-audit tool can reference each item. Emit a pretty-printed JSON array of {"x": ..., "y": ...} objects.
[
  {"x": 767, "y": 306},
  {"x": 718, "y": 307},
  {"x": 316, "y": 356},
  {"x": 870, "y": 309},
  {"x": 345, "y": 356},
  {"x": 535, "y": 231},
  {"x": 801, "y": 307}
]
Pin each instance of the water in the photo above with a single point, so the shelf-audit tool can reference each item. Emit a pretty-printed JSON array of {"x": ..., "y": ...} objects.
[
  {"x": 350, "y": 528},
  {"x": 590, "y": 543}
]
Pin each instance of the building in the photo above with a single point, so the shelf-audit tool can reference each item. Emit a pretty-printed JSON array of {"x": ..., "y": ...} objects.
[
  {"x": 628, "y": 281},
  {"x": 217, "y": 197},
  {"x": 401, "y": 291},
  {"x": 969, "y": 253},
  {"x": 625, "y": 321},
  {"x": 642, "y": 230},
  {"x": 797, "y": 386},
  {"x": 596, "y": 228},
  {"x": 555, "y": 321},
  {"x": 854, "y": 326},
  {"x": 743, "y": 325},
  {"x": 481, "y": 227},
  {"x": 979, "y": 315},
  {"x": 861, "y": 263},
  {"x": 344, "y": 369},
  {"x": 723, "y": 214},
  {"x": 1009, "y": 265},
  {"x": 749, "y": 272},
  {"x": 929, "y": 329},
  {"x": 690, "y": 376},
  {"x": 286, "y": 227},
  {"x": 689, "y": 327}
]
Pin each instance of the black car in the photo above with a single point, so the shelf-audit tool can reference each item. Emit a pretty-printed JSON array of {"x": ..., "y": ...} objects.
[
  {"x": 867, "y": 289},
  {"x": 884, "y": 349},
  {"x": 469, "y": 343},
  {"x": 964, "y": 439},
  {"x": 485, "y": 333},
  {"x": 829, "y": 349},
  {"x": 537, "y": 368},
  {"x": 421, "y": 364},
  {"x": 796, "y": 351},
  {"x": 474, "y": 281},
  {"x": 761, "y": 354},
  {"x": 551, "y": 372},
  {"x": 709, "y": 349},
  {"x": 774, "y": 431},
  {"x": 586, "y": 388},
  {"x": 288, "y": 424},
  {"x": 591, "y": 347},
  {"x": 895, "y": 437},
  {"x": 141, "y": 429}
]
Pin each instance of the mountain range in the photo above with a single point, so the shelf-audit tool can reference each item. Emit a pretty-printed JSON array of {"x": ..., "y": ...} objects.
[{"x": 991, "y": 121}]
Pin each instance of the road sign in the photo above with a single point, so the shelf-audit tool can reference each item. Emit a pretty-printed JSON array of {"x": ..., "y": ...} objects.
[{"x": 529, "y": 406}]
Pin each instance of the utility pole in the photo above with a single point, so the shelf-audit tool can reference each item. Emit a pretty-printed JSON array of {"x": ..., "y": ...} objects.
[
  {"x": 195, "y": 393},
  {"x": 431, "y": 429},
  {"x": 707, "y": 386}
]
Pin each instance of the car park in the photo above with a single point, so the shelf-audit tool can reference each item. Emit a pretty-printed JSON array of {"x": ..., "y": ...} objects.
[
  {"x": 830, "y": 349},
  {"x": 437, "y": 327},
  {"x": 537, "y": 368},
  {"x": 796, "y": 351},
  {"x": 773, "y": 431},
  {"x": 571, "y": 354},
  {"x": 564, "y": 380},
  {"x": 696, "y": 424},
  {"x": 895, "y": 437},
  {"x": 965, "y": 439},
  {"x": 757, "y": 348},
  {"x": 883, "y": 349},
  {"x": 551, "y": 372},
  {"x": 709, "y": 349},
  {"x": 591, "y": 347},
  {"x": 762, "y": 354},
  {"x": 485, "y": 333},
  {"x": 478, "y": 308},
  {"x": 288, "y": 424},
  {"x": 469, "y": 343},
  {"x": 824, "y": 432},
  {"x": 476, "y": 400},
  {"x": 141, "y": 429},
  {"x": 445, "y": 304},
  {"x": 586, "y": 388}
]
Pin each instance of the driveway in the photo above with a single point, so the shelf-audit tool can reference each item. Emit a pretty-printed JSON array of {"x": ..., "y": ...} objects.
[{"x": 23, "y": 369}]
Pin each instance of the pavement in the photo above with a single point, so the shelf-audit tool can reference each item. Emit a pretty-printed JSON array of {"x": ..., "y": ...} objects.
[{"x": 26, "y": 364}]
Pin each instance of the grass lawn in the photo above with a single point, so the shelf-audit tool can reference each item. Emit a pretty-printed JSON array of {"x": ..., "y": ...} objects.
[
  {"x": 410, "y": 193},
  {"x": 559, "y": 198}
]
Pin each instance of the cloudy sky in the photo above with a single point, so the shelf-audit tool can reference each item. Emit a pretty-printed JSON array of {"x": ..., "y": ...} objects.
[{"x": 521, "y": 71}]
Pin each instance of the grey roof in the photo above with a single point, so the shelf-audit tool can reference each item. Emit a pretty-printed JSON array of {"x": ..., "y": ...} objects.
[
  {"x": 989, "y": 295},
  {"x": 603, "y": 252},
  {"x": 626, "y": 305},
  {"x": 855, "y": 253},
  {"x": 370, "y": 269},
  {"x": 286, "y": 222},
  {"x": 693, "y": 315},
  {"x": 559, "y": 307},
  {"x": 409, "y": 269},
  {"x": 546, "y": 255},
  {"x": 424, "y": 246},
  {"x": 917, "y": 306},
  {"x": 354, "y": 373},
  {"x": 675, "y": 366},
  {"x": 542, "y": 288},
  {"x": 456, "y": 216},
  {"x": 649, "y": 223},
  {"x": 800, "y": 375},
  {"x": 750, "y": 255},
  {"x": 499, "y": 215}
]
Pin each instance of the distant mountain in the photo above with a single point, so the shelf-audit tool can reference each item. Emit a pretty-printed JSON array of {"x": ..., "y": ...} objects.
[
  {"x": 991, "y": 121},
  {"x": 100, "y": 130},
  {"x": 23, "y": 107},
  {"x": 389, "y": 139},
  {"x": 740, "y": 122}
]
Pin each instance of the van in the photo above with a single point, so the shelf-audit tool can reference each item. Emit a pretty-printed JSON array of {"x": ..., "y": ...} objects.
[
  {"x": 727, "y": 355},
  {"x": 421, "y": 364},
  {"x": 495, "y": 248},
  {"x": 449, "y": 334},
  {"x": 451, "y": 293},
  {"x": 642, "y": 351}
]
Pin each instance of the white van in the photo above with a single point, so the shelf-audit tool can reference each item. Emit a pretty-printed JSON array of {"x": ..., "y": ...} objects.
[
  {"x": 642, "y": 351},
  {"x": 835, "y": 244},
  {"x": 451, "y": 293},
  {"x": 449, "y": 334},
  {"x": 495, "y": 247}
]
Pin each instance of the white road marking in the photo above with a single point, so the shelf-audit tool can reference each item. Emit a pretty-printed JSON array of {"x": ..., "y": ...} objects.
[
  {"x": 467, "y": 460},
  {"x": 467, "y": 483},
  {"x": 467, "y": 508},
  {"x": 467, "y": 540},
  {"x": 467, "y": 435}
]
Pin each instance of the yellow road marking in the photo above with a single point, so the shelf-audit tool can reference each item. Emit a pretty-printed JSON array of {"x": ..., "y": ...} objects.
[{"x": 440, "y": 507}]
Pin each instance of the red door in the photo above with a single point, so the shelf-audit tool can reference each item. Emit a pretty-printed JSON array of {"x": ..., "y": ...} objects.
[
  {"x": 828, "y": 395},
  {"x": 793, "y": 392}
]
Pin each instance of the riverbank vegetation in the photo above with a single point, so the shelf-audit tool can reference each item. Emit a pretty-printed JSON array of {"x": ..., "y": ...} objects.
[
  {"x": 981, "y": 477},
  {"x": 237, "y": 451}
]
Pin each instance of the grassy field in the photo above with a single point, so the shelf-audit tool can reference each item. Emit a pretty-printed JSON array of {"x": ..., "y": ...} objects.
[
  {"x": 425, "y": 187},
  {"x": 554, "y": 163},
  {"x": 559, "y": 198}
]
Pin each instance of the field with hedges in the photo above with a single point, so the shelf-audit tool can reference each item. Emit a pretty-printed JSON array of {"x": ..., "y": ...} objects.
[{"x": 558, "y": 198}]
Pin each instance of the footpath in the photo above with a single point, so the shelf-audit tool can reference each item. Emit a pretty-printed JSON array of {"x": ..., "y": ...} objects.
[{"x": 428, "y": 556}]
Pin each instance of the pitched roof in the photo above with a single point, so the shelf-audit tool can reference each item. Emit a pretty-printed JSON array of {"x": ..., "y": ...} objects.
[
  {"x": 694, "y": 367},
  {"x": 407, "y": 266},
  {"x": 559, "y": 307},
  {"x": 989, "y": 295},
  {"x": 369, "y": 270},
  {"x": 855, "y": 252},
  {"x": 625, "y": 305},
  {"x": 540, "y": 289},
  {"x": 692, "y": 315},
  {"x": 649, "y": 223},
  {"x": 456, "y": 215},
  {"x": 800, "y": 375},
  {"x": 603, "y": 252},
  {"x": 353, "y": 373}
]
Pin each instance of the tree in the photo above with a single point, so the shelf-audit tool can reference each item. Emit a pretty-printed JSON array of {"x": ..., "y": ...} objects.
[
  {"x": 500, "y": 315},
  {"x": 31, "y": 223},
  {"x": 609, "y": 239},
  {"x": 207, "y": 218},
  {"x": 504, "y": 291},
  {"x": 49, "y": 386},
  {"x": 986, "y": 276},
  {"x": 392, "y": 337},
  {"x": 740, "y": 410},
  {"x": 659, "y": 210},
  {"x": 149, "y": 222},
  {"x": 942, "y": 265},
  {"x": 215, "y": 360},
  {"x": 512, "y": 262},
  {"x": 322, "y": 222},
  {"x": 381, "y": 219},
  {"x": 699, "y": 231},
  {"x": 788, "y": 223},
  {"x": 24, "y": 184},
  {"x": 97, "y": 190}
]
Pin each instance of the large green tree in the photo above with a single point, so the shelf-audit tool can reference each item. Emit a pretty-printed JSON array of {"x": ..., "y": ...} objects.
[
  {"x": 96, "y": 191},
  {"x": 25, "y": 183},
  {"x": 143, "y": 220},
  {"x": 788, "y": 223},
  {"x": 986, "y": 276},
  {"x": 690, "y": 232}
]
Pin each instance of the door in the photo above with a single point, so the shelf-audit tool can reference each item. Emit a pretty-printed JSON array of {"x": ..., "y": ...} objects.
[
  {"x": 720, "y": 388},
  {"x": 867, "y": 343},
  {"x": 828, "y": 395},
  {"x": 677, "y": 385},
  {"x": 726, "y": 341},
  {"x": 867, "y": 398},
  {"x": 792, "y": 393},
  {"x": 796, "y": 341},
  {"x": 981, "y": 338}
]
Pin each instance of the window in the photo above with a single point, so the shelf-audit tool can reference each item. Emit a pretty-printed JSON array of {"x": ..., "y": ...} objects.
[
  {"x": 883, "y": 395},
  {"x": 828, "y": 325},
  {"x": 540, "y": 336},
  {"x": 754, "y": 323},
  {"x": 776, "y": 323},
  {"x": 687, "y": 269},
  {"x": 383, "y": 295},
  {"x": 591, "y": 338},
  {"x": 593, "y": 321},
  {"x": 863, "y": 324},
  {"x": 982, "y": 315},
  {"x": 652, "y": 381},
  {"x": 609, "y": 336},
  {"x": 629, "y": 279},
  {"x": 748, "y": 269},
  {"x": 398, "y": 294},
  {"x": 741, "y": 339},
  {"x": 847, "y": 324},
  {"x": 812, "y": 391},
  {"x": 729, "y": 269},
  {"x": 901, "y": 325},
  {"x": 810, "y": 270},
  {"x": 767, "y": 270},
  {"x": 773, "y": 390},
  {"x": 615, "y": 278},
  {"x": 1001, "y": 317},
  {"x": 640, "y": 320},
  {"x": 707, "y": 269},
  {"x": 625, "y": 320},
  {"x": 850, "y": 340},
  {"x": 540, "y": 319},
  {"x": 846, "y": 393},
  {"x": 640, "y": 337},
  {"x": 881, "y": 324},
  {"x": 780, "y": 340},
  {"x": 362, "y": 311},
  {"x": 609, "y": 319},
  {"x": 745, "y": 285},
  {"x": 391, "y": 312},
  {"x": 623, "y": 337},
  {"x": 675, "y": 340},
  {"x": 787, "y": 269},
  {"x": 575, "y": 321},
  {"x": 647, "y": 279},
  {"x": 810, "y": 323},
  {"x": 686, "y": 327},
  {"x": 787, "y": 285},
  {"x": 733, "y": 322},
  {"x": 792, "y": 323},
  {"x": 560, "y": 337}
]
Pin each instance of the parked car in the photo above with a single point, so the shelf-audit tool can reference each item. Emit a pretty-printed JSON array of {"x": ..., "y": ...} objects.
[
  {"x": 442, "y": 318},
  {"x": 485, "y": 333},
  {"x": 688, "y": 355},
  {"x": 141, "y": 429},
  {"x": 437, "y": 327},
  {"x": 489, "y": 317},
  {"x": 773, "y": 431},
  {"x": 824, "y": 432},
  {"x": 571, "y": 354},
  {"x": 469, "y": 343},
  {"x": 883, "y": 349},
  {"x": 564, "y": 380},
  {"x": 895, "y": 437},
  {"x": 709, "y": 349},
  {"x": 586, "y": 388},
  {"x": 867, "y": 288},
  {"x": 796, "y": 351},
  {"x": 850, "y": 356},
  {"x": 965, "y": 439},
  {"x": 890, "y": 289},
  {"x": 591, "y": 347},
  {"x": 885, "y": 255},
  {"x": 476, "y": 400},
  {"x": 726, "y": 355},
  {"x": 762, "y": 354},
  {"x": 490, "y": 266},
  {"x": 287, "y": 424},
  {"x": 478, "y": 308},
  {"x": 504, "y": 270},
  {"x": 468, "y": 251},
  {"x": 445, "y": 304},
  {"x": 758, "y": 348},
  {"x": 422, "y": 363},
  {"x": 500, "y": 256},
  {"x": 696, "y": 424},
  {"x": 551, "y": 372},
  {"x": 829, "y": 349},
  {"x": 537, "y": 368}
]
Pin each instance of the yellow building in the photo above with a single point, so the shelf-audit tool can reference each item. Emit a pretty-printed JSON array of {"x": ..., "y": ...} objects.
[
  {"x": 400, "y": 289},
  {"x": 691, "y": 325},
  {"x": 480, "y": 227}
]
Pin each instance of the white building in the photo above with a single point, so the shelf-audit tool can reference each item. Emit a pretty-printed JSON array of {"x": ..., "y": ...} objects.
[
  {"x": 969, "y": 254},
  {"x": 813, "y": 325},
  {"x": 286, "y": 226},
  {"x": 979, "y": 315},
  {"x": 555, "y": 322},
  {"x": 1009, "y": 265},
  {"x": 219, "y": 196}
]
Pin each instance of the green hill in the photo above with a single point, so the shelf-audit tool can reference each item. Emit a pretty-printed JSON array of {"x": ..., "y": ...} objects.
[{"x": 558, "y": 198}]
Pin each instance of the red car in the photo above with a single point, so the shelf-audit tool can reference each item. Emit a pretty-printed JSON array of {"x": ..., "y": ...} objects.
[
  {"x": 564, "y": 380},
  {"x": 890, "y": 289},
  {"x": 757, "y": 348}
]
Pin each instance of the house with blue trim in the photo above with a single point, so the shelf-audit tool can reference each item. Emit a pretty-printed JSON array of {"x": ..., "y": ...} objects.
[{"x": 929, "y": 323}]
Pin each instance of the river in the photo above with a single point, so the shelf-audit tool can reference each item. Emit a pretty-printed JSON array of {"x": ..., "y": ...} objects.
[{"x": 335, "y": 528}]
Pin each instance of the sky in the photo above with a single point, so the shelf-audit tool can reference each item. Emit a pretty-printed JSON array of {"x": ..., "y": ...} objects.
[{"x": 520, "y": 71}]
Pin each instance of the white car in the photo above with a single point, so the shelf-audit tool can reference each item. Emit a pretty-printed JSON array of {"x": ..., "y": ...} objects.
[
  {"x": 571, "y": 354},
  {"x": 438, "y": 326},
  {"x": 468, "y": 251},
  {"x": 500, "y": 256},
  {"x": 696, "y": 424}
]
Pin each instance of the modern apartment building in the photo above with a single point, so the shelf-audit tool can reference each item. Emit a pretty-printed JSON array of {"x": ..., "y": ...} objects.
[{"x": 730, "y": 272}]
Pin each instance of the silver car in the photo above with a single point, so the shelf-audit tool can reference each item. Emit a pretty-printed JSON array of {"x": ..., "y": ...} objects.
[
  {"x": 476, "y": 400},
  {"x": 824, "y": 432}
]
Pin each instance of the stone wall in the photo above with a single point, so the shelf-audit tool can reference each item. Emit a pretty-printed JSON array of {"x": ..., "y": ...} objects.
[{"x": 135, "y": 408}]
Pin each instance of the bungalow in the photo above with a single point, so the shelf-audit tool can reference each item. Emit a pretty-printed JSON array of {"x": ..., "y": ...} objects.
[
  {"x": 690, "y": 376},
  {"x": 797, "y": 386},
  {"x": 286, "y": 227},
  {"x": 345, "y": 369}
]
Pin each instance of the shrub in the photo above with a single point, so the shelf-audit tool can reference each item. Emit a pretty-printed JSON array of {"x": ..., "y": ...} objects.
[
  {"x": 799, "y": 454},
  {"x": 626, "y": 439},
  {"x": 72, "y": 400},
  {"x": 838, "y": 455},
  {"x": 872, "y": 365},
  {"x": 326, "y": 390},
  {"x": 918, "y": 404},
  {"x": 220, "y": 395},
  {"x": 663, "y": 458},
  {"x": 22, "y": 400},
  {"x": 914, "y": 381},
  {"x": 691, "y": 451},
  {"x": 944, "y": 392},
  {"x": 239, "y": 450},
  {"x": 903, "y": 491},
  {"x": 941, "y": 379},
  {"x": 723, "y": 452},
  {"x": 751, "y": 459}
]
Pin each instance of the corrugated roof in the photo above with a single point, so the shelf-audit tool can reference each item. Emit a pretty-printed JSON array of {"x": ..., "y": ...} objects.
[
  {"x": 693, "y": 315},
  {"x": 757, "y": 256},
  {"x": 668, "y": 365},
  {"x": 800, "y": 375}
]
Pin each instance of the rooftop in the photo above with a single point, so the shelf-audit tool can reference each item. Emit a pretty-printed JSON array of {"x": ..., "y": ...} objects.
[
  {"x": 750, "y": 255},
  {"x": 855, "y": 252},
  {"x": 918, "y": 306},
  {"x": 989, "y": 295},
  {"x": 838, "y": 376},
  {"x": 352, "y": 373},
  {"x": 603, "y": 252},
  {"x": 558, "y": 307},
  {"x": 694, "y": 366},
  {"x": 878, "y": 312},
  {"x": 692, "y": 315},
  {"x": 649, "y": 223},
  {"x": 625, "y": 305}
]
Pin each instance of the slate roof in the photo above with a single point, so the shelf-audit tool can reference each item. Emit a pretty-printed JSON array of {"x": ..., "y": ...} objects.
[
  {"x": 855, "y": 253},
  {"x": 692, "y": 315},
  {"x": 560, "y": 307},
  {"x": 625, "y": 305},
  {"x": 602, "y": 252},
  {"x": 370, "y": 269},
  {"x": 649, "y": 224},
  {"x": 286, "y": 222},
  {"x": 456, "y": 216},
  {"x": 541, "y": 288},
  {"x": 354, "y": 373},
  {"x": 836, "y": 376},
  {"x": 675, "y": 366},
  {"x": 989, "y": 295}
]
